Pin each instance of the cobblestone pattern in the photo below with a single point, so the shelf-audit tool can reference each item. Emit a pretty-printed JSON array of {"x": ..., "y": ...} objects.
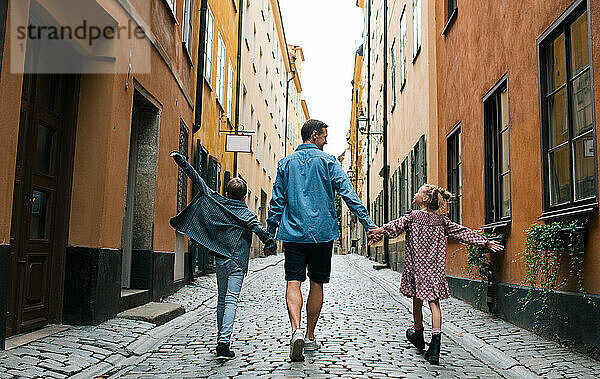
[
  {"x": 193, "y": 295},
  {"x": 82, "y": 347},
  {"x": 362, "y": 330},
  {"x": 66, "y": 353},
  {"x": 545, "y": 358}
]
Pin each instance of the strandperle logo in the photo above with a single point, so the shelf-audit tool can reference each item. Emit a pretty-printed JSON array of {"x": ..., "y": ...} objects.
[{"x": 84, "y": 32}]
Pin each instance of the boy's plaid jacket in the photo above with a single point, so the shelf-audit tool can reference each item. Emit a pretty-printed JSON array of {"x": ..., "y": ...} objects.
[{"x": 223, "y": 226}]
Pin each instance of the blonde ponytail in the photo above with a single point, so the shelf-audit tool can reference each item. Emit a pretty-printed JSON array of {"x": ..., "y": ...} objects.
[{"x": 438, "y": 198}]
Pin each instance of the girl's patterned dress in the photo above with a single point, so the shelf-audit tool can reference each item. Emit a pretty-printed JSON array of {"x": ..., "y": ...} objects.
[{"x": 424, "y": 273}]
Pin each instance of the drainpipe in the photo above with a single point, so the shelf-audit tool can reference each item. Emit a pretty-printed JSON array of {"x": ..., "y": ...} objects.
[
  {"x": 287, "y": 89},
  {"x": 237, "y": 83},
  {"x": 369, "y": 114},
  {"x": 200, "y": 72},
  {"x": 386, "y": 171}
]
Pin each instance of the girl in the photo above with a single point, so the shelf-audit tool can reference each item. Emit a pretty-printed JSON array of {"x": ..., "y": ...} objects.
[{"x": 424, "y": 277}]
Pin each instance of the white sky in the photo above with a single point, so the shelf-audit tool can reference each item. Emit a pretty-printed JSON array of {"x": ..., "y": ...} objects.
[{"x": 329, "y": 32}]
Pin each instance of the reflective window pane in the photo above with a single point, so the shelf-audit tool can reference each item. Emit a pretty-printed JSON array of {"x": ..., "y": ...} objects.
[
  {"x": 559, "y": 176},
  {"x": 504, "y": 105},
  {"x": 555, "y": 63},
  {"x": 44, "y": 150},
  {"x": 580, "y": 51},
  {"x": 39, "y": 205},
  {"x": 505, "y": 152},
  {"x": 557, "y": 119},
  {"x": 505, "y": 196},
  {"x": 582, "y": 104},
  {"x": 585, "y": 156}
]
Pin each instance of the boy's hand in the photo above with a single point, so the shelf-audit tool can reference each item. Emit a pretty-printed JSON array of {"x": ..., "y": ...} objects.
[
  {"x": 494, "y": 246},
  {"x": 374, "y": 235}
]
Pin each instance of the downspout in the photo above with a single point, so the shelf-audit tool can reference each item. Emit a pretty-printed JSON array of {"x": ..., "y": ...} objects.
[
  {"x": 236, "y": 125},
  {"x": 287, "y": 91},
  {"x": 369, "y": 114},
  {"x": 386, "y": 171},
  {"x": 200, "y": 72}
]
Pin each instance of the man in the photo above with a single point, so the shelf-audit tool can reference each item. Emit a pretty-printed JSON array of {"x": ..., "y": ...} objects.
[{"x": 302, "y": 208}]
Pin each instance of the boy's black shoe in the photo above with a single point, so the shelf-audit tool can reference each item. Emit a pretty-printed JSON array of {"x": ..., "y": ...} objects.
[
  {"x": 433, "y": 353},
  {"x": 416, "y": 338},
  {"x": 223, "y": 352}
]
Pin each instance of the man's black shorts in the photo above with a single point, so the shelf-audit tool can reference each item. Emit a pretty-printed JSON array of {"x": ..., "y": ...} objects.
[{"x": 317, "y": 256}]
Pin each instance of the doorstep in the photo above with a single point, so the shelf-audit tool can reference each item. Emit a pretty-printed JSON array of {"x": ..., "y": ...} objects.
[
  {"x": 156, "y": 313},
  {"x": 25, "y": 338}
]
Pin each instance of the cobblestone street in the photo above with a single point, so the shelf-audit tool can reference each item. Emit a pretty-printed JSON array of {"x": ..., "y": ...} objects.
[{"x": 362, "y": 330}]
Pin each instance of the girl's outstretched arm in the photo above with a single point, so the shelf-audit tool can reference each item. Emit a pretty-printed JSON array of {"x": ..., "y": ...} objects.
[
  {"x": 463, "y": 234},
  {"x": 396, "y": 227}
]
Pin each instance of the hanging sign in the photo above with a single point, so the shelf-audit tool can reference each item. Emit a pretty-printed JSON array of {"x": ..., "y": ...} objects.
[{"x": 237, "y": 143}]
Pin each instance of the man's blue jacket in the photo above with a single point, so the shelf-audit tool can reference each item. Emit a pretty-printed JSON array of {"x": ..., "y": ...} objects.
[
  {"x": 303, "y": 205},
  {"x": 223, "y": 226}
]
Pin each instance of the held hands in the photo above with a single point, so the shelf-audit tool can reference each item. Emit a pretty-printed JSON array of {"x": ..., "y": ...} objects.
[
  {"x": 374, "y": 235},
  {"x": 494, "y": 246},
  {"x": 268, "y": 252}
]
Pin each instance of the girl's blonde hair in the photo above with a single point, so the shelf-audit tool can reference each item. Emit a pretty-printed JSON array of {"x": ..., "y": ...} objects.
[{"x": 438, "y": 198}]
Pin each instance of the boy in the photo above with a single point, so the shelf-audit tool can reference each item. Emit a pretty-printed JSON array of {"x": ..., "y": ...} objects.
[{"x": 223, "y": 225}]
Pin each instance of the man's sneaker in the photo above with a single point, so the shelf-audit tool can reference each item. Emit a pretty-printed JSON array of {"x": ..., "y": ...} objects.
[
  {"x": 311, "y": 345},
  {"x": 297, "y": 346},
  {"x": 223, "y": 352}
]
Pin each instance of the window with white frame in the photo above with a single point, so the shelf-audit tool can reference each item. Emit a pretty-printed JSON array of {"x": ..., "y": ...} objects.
[
  {"x": 187, "y": 24},
  {"x": 403, "y": 49},
  {"x": 258, "y": 138},
  {"x": 393, "y": 73},
  {"x": 230, "y": 92},
  {"x": 416, "y": 27},
  {"x": 208, "y": 45},
  {"x": 221, "y": 57}
]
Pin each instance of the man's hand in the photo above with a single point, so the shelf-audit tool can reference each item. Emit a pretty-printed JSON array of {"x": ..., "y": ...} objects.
[
  {"x": 268, "y": 252},
  {"x": 375, "y": 235}
]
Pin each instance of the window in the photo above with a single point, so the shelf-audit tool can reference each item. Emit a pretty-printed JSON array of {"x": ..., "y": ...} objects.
[
  {"x": 451, "y": 14},
  {"x": 497, "y": 154},
  {"x": 181, "y": 176},
  {"x": 416, "y": 28},
  {"x": 260, "y": 70},
  {"x": 393, "y": 81},
  {"x": 419, "y": 165},
  {"x": 404, "y": 194},
  {"x": 245, "y": 110},
  {"x": 171, "y": 6},
  {"x": 569, "y": 171},
  {"x": 452, "y": 8},
  {"x": 403, "y": 49},
  {"x": 230, "y": 92},
  {"x": 187, "y": 24},
  {"x": 221, "y": 57},
  {"x": 454, "y": 160},
  {"x": 258, "y": 140},
  {"x": 208, "y": 44}
]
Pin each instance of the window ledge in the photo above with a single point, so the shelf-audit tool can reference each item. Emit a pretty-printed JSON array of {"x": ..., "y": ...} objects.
[
  {"x": 416, "y": 55},
  {"x": 208, "y": 83},
  {"x": 497, "y": 224},
  {"x": 450, "y": 22},
  {"x": 187, "y": 54},
  {"x": 570, "y": 212},
  {"x": 247, "y": 44},
  {"x": 171, "y": 12}
]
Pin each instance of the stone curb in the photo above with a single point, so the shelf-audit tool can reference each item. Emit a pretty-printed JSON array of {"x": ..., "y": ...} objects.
[{"x": 506, "y": 366}]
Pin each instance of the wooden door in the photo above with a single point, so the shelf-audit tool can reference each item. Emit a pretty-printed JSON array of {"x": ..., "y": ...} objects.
[{"x": 41, "y": 198}]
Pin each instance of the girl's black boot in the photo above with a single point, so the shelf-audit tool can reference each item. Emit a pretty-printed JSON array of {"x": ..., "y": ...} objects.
[
  {"x": 416, "y": 338},
  {"x": 433, "y": 353}
]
